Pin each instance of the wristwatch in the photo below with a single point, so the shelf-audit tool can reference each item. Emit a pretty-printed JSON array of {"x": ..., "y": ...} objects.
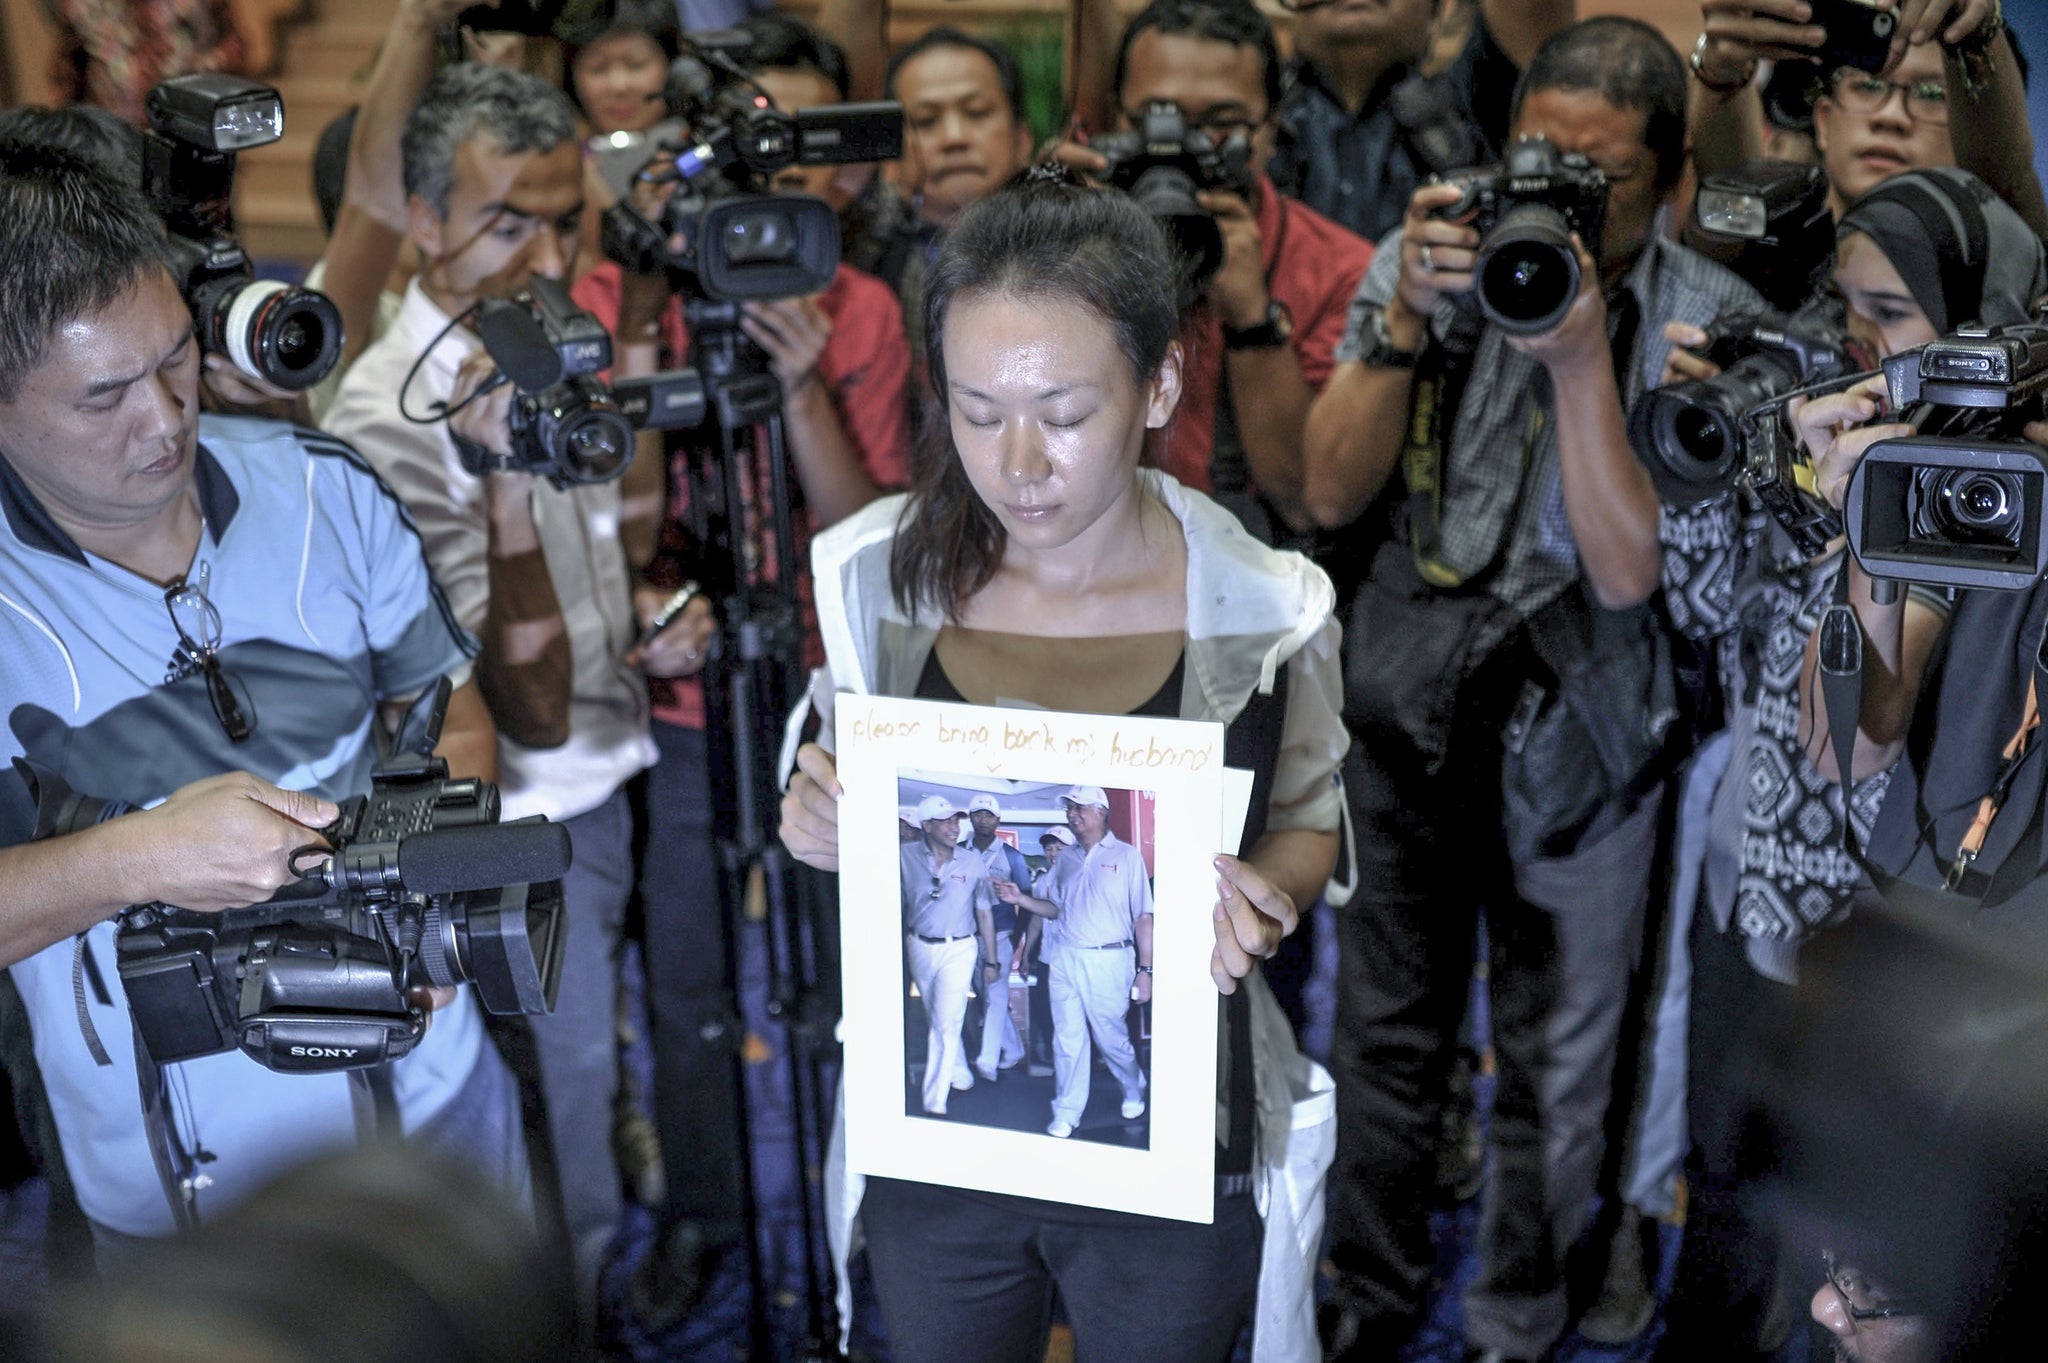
[
  {"x": 1699, "y": 70},
  {"x": 1381, "y": 352},
  {"x": 1271, "y": 331}
]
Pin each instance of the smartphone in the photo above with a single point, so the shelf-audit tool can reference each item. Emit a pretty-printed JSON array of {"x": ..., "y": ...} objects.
[{"x": 1858, "y": 34}]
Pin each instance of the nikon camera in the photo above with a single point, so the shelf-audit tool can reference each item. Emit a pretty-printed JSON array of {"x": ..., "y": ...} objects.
[
  {"x": 424, "y": 887},
  {"x": 1959, "y": 504},
  {"x": 287, "y": 336},
  {"x": 568, "y": 425},
  {"x": 1525, "y": 210},
  {"x": 1163, "y": 163}
]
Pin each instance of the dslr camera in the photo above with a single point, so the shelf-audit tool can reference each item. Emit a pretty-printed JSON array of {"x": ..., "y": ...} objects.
[
  {"x": 729, "y": 238},
  {"x": 1960, "y": 503},
  {"x": 568, "y": 425},
  {"x": 286, "y": 336},
  {"x": 423, "y": 887},
  {"x": 1525, "y": 210},
  {"x": 1692, "y": 436},
  {"x": 1163, "y": 163}
]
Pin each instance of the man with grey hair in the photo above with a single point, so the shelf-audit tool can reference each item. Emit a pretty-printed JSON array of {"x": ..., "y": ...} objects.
[
  {"x": 494, "y": 184},
  {"x": 1100, "y": 893}
]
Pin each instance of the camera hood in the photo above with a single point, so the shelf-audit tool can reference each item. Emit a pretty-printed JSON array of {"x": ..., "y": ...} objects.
[{"x": 1900, "y": 525}]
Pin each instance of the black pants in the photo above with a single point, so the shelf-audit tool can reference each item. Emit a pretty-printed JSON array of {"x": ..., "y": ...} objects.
[
  {"x": 967, "y": 1276},
  {"x": 696, "y": 1032},
  {"x": 1728, "y": 1260}
]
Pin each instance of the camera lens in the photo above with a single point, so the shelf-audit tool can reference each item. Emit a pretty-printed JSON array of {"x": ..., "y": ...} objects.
[
  {"x": 286, "y": 336},
  {"x": 593, "y": 445},
  {"x": 1168, "y": 194},
  {"x": 1527, "y": 273},
  {"x": 1978, "y": 507},
  {"x": 766, "y": 236}
]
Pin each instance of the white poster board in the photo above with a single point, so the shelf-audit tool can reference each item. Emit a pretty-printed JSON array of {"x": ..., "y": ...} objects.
[{"x": 1165, "y": 780}]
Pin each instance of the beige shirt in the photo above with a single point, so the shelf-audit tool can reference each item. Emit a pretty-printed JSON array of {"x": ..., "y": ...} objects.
[{"x": 579, "y": 535}]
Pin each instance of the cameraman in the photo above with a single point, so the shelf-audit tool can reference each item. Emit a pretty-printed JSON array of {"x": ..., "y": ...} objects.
[
  {"x": 1264, "y": 332},
  {"x": 316, "y": 617},
  {"x": 1951, "y": 93},
  {"x": 494, "y": 176},
  {"x": 1949, "y": 708},
  {"x": 844, "y": 366},
  {"x": 1542, "y": 523}
]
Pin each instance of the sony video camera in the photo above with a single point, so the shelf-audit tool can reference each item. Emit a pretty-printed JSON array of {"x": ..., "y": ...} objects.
[
  {"x": 1960, "y": 503},
  {"x": 1164, "y": 163},
  {"x": 423, "y": 887},
  {"x": 568, "y": 425},
  {"x": 1691, "y": 435},
  {"x": 286, "y": 336},
  {"x": 721, "y": 230},
  {"x": 1526, "y": 210}
]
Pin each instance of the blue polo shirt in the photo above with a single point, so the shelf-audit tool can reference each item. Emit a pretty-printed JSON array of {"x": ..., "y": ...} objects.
[{"x": 327, "y": 608}]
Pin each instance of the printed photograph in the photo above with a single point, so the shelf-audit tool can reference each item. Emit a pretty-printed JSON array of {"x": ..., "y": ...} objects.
[{"x": 1027, "y": 955}]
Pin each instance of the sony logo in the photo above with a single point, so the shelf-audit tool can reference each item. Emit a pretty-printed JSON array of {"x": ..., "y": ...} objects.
[{"x": 325, "y": 1052}]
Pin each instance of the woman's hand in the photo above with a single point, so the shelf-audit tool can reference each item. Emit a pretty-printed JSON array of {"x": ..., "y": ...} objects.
[
  {"x": 810, "y": 809},
  {"x": 1834, "y": 468},
  {"x": 1252, "y": 916},
  {"x": 1819, "y": 421}
]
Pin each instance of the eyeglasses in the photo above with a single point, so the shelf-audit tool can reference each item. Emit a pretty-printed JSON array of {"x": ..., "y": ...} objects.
[
  {"x": 1853, "y": 1287},
  {"x": 935, "y": 887},
  {"x": 199, "y": 635},
  {"x": 1220, "y": 124},
  {"x": 1863, "y": 92}
]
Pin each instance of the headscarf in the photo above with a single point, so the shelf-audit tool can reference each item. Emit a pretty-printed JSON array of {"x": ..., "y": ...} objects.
[{"x": 1963, "y": 251}]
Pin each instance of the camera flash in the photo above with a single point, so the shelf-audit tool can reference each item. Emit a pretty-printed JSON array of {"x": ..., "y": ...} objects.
[{"x": 1733, "y": 214}]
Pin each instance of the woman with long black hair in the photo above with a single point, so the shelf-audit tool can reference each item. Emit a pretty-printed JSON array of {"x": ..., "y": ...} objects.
[{"x": 1036, "y": 560}]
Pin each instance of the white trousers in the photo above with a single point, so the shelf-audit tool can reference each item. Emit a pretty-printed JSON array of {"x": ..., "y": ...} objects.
[
  {"x": 1091, "y": 996},
  {"x": 1000, "y": 1044},
  {"x": 943, "y": 972}
]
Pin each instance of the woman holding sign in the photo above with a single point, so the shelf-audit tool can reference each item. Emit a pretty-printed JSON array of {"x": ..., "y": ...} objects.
[{"x": 1036, "y": 560}]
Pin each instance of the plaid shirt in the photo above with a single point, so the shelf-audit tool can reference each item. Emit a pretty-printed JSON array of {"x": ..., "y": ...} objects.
[{"x": 1503, "y": 497}]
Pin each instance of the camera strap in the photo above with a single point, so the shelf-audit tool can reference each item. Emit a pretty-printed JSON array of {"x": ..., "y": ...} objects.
[
  {"x": 1440, "y": 376},
  {"x": 1987, "y": 809},
  {"x": 176, "y": 1170},
  {"x": 83, "y": 964}
]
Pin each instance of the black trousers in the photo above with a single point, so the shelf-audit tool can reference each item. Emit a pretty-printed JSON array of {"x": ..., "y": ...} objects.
[
  {"x": 1728, "y": 1261},
  {"x": 970, "y": 1276},
  {"x": 695, "y": 1030}
]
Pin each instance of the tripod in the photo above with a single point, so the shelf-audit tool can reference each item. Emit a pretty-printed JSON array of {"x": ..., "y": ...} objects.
[{"x": 753, "y": 676}]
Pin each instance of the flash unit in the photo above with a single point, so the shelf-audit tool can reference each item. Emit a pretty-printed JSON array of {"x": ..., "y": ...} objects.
[{"x": 215, "y": 112}]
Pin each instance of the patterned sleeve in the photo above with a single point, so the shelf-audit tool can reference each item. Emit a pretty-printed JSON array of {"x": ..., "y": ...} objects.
[
  {"x": 1375, "y": 290},
  {"x": 1701, "y": 546}
]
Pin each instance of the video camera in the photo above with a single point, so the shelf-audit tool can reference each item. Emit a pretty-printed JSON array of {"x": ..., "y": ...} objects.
[
  {"x": 1164, "y": 163},
  {"x": 1525, "y": 210},
  {"x": 287, "y": 336},
  {"x": 1692, "y": 436},
  {"x": 567, "y": 425},
  {"x": 1960, "y": 503},
  {"x": 423, "y": 887},
  {"x": 720, "y": 228}
]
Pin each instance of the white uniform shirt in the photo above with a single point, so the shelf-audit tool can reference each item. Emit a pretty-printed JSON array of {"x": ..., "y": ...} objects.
[
  {"x": 579, "y": 533},
  {"x": 1104, "y": 894},
  {"x": 940, "y": 899}
]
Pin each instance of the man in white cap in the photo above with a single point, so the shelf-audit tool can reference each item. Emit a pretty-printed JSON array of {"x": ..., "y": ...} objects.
[
  {"x": 1001, "y": 1047},
  {"x": 1041, "y": 939},
  {"x": 946, "y": 908},
  {"x": 1102, "y": 897}
]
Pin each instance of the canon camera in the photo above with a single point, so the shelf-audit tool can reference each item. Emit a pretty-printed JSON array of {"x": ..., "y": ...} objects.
[{"x": 286, "y": 336}]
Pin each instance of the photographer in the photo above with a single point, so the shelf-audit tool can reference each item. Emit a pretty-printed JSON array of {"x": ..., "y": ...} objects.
[
  {"x": 1362, "y": 127},
  {"x": 1777, "y": 860},
  {"x": 155, "y": 652},
  {"x": 1939, "y": 716},
  {"x": 494, "y": 177},
  {"x": 1263, "y": 334},
  {"x": 1950, "y": 92},
  {"x": 1503, "y": 577}
]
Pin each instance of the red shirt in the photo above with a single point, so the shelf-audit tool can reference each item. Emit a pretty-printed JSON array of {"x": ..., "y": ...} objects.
[
  {"x": 1312, "y": 268},
  {"x": 865, "y": 365}
]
